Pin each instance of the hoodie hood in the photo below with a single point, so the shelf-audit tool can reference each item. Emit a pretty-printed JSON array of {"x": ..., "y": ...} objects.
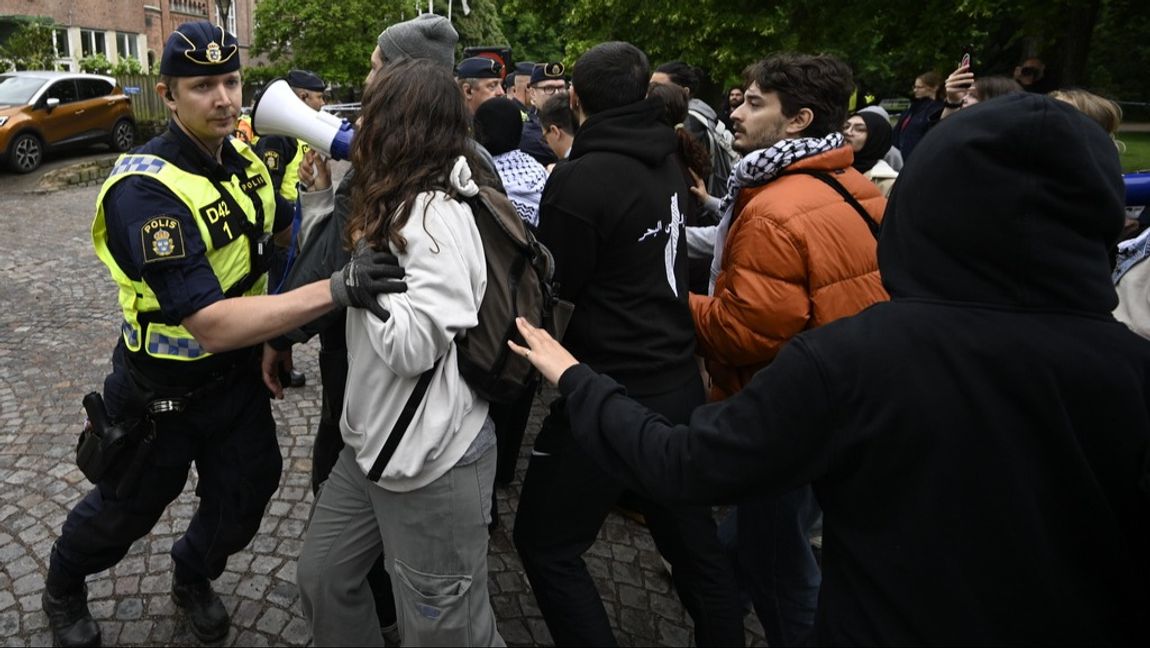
[
  {"x": 633, "y": 130},
  {"x": 1014, "y": 202},
  {"x": 701, "y": 107}
]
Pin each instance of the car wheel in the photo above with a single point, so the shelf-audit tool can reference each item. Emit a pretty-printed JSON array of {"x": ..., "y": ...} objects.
[
  {"x": 123, "y": 136},
  {"x": 25, "y": 153}
]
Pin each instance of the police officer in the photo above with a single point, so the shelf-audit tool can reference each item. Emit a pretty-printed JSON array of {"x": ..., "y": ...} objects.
[
  {"x": 283, "y": 155},
  {"x": 479, "y": 79},
  {"x": 183, "y": 225},
  {"x": 546, "y": 80}
]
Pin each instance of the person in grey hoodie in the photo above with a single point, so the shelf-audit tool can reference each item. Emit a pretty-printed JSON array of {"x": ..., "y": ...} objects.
[{"x": 413, "y": 481}]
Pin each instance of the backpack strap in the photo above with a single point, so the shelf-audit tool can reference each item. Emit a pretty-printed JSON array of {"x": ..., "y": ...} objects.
[
  {"x": 829, "y": 180},
  {"x": 401, "y": 424}
]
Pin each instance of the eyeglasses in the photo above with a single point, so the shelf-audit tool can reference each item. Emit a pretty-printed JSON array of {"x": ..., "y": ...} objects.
[
  {"x": 1030, "y": 71},
  {"x": 549, "y": 90}
]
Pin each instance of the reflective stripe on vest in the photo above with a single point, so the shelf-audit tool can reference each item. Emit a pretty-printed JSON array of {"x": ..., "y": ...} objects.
[{"x": 228, "y": 252}]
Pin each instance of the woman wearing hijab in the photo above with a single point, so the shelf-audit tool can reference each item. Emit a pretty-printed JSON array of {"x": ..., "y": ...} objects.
[{"x": 870, "y": 137}]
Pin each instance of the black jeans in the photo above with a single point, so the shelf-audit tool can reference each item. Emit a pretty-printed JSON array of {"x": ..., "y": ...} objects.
[
  {"x": 777, "y": 565},
  {"x": 231, "y": 437},
  {"x": 566, "y": 497}
]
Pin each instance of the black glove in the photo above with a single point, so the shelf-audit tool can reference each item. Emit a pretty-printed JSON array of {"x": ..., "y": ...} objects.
[{"x": 365, "y": 276}]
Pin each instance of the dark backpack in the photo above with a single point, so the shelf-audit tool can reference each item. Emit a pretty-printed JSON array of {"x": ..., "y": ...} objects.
[
  {"x": 519, "y": 284},
  {"x": 718, "y": 141}
]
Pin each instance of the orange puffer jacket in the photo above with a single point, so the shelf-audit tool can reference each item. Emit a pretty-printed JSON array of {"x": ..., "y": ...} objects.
[{"x": 796, "y": 257}]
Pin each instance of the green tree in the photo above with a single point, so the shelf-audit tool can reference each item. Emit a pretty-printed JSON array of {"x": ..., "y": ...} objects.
[
  {"x": 1120, "y": 55},
  {"x": 333, "y": 39},
  {"x": 533, "y": 29},
  {"x": 482, "y": 26},
  {"x": 29, "y": 47}
]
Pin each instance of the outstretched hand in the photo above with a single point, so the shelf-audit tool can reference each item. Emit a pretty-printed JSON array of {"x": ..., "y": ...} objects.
[
  {"x": 548, "y": 356},
  {"x": 366, "y": 275}
]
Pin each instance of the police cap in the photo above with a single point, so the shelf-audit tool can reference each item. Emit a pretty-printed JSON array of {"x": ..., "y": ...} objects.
[
  {"x": 479, "y": 67},
  {"x": 305, "y": 80},
  {"x": 524, "y": 68},
  {"x": 200, "y": 49},
  {"x": 553, "y": 71}
]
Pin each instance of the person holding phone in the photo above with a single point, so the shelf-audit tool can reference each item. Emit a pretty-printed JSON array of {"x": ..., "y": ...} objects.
[{"x": 964, "y": 90}]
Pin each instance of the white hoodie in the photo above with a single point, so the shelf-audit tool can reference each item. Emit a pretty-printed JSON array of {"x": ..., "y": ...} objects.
[{"x": 446, "y": 276}]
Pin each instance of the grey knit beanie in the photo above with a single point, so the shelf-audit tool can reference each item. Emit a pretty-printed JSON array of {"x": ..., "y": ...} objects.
[{"x": 427, "y": 36}]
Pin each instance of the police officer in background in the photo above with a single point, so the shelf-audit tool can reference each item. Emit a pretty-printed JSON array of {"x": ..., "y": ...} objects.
[
  {"x": 184, "y": 226},
  {"x": 547, "y": 79},
  {"x": 283, "y": 155}
]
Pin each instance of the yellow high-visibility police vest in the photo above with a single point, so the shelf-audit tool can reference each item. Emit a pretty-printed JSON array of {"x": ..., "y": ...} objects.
[
  {"x": 274, "y": 160},
  {"x": 222, "y": 231},
  {"x": 288, "y": 188}
]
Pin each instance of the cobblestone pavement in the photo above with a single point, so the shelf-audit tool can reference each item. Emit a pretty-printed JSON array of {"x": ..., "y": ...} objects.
[{"x": 58, "y": 323}]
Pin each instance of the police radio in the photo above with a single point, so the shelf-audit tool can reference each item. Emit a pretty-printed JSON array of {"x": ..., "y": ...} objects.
[{"x": 278, "y": 111}]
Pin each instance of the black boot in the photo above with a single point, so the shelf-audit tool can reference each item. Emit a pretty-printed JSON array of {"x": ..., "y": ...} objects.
[
  {"x": 209, "y": 620},
  {"x": 72, "y": 624}
]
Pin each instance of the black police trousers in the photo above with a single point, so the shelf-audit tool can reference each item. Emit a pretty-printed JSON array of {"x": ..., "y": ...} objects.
[{"x": 230, "y": 435}]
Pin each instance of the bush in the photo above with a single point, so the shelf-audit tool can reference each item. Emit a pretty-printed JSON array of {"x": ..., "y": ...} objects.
[
  {"x": 96, "y": 64},
  {"x": 29, "y": 47},
  {"x": 127, "y": 66}
]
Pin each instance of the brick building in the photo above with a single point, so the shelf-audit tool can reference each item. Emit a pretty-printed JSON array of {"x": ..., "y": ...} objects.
[{"x": 124, "y": 28}]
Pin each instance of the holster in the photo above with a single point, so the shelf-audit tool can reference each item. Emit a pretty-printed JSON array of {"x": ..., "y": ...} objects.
[
  {"x": 116, "y": 454},
  {"x": 105, "y": 450}
]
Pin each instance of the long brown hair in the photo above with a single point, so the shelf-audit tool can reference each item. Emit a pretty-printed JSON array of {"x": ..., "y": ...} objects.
[
  {"x": 414, "y": 126},
  {"x": 675, "y": 110}
]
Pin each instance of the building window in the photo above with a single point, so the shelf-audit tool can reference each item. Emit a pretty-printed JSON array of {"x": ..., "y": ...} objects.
[
  {"x": 60, "y": 42},
  {"x": 127, "y": 46},
  {"x": 191, "y": 7},
  {"x": 92, "y": 42},
  {"x": 231, "y": 26}
]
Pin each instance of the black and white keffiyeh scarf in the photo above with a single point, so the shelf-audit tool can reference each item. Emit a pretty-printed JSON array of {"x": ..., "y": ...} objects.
[
  {"x": 758, "y": 168},
  {"x": 523, "y": 178}
]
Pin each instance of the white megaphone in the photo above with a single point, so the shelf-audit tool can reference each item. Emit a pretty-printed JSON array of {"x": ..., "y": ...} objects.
[{"x": 278, "y": 111}]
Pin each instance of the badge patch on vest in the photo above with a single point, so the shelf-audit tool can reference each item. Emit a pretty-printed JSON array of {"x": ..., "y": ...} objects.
[
  {"x": 251, "y": 184},
  {"x": 162, "y": 239},
  {"x": 272, "y": 160},
  {"x": 223, "y": 223}
]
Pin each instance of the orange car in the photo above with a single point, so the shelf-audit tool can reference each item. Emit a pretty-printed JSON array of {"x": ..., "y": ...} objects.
[{"x": 42, "y": 111}]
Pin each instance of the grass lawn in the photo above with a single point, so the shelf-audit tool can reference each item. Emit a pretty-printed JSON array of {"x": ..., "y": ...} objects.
[{"x": 1137, "y": 155}]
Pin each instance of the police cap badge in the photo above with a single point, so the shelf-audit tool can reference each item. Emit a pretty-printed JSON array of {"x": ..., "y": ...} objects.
[{"x": 200, "y": 49}]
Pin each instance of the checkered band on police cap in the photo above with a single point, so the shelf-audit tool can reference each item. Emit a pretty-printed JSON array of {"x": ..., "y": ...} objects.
[{"x": 200, "y": 49}]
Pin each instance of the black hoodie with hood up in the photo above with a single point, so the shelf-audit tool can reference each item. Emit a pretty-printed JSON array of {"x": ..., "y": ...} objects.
[
  {"x": 980, "y": 444},
  {"x": 612, "y": 215}
]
